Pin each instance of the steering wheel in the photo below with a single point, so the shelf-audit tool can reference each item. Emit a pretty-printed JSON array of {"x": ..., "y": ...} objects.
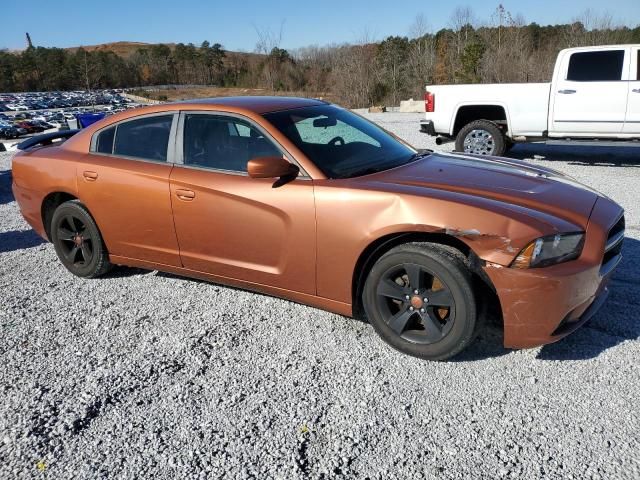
[{"x": 335, "y": 140}]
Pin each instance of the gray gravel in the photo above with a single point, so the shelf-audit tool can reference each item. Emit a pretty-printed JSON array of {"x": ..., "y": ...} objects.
[{"x": 148, "y": 375}]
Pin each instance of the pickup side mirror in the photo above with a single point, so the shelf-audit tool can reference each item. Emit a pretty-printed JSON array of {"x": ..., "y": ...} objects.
[{"x": 271, "y": 167}]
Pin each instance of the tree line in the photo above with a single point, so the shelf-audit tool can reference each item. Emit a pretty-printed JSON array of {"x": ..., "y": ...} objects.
[{"x": 502, "y": 48}]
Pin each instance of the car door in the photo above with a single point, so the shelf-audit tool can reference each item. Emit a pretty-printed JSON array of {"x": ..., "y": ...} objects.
[
  {"x": 231, "y": 225},
  {"x": 590, "y": 97},
  {"x": 632, "y": 120},
  {"x": 124, "y": 183}
]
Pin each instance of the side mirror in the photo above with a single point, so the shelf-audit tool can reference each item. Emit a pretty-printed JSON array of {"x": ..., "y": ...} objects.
[{"x": 271, "y": 167}]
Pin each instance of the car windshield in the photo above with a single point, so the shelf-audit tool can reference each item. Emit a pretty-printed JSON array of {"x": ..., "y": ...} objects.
[{"x": 339, "y": 142}]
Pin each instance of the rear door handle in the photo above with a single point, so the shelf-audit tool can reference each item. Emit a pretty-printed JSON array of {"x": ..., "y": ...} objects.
[
  {"x": 566, "y": 92},
  {"x": 90, "y": 176},
  {"x": 636, "y": 90},
  {"x": 186, "y": 195}
]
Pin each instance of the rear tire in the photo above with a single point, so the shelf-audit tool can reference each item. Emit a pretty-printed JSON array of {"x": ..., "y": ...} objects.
[
  {"x": 78, "y": 241},
  {"x": 419, "y": 299},
  {"x": 481, "y": 137}
]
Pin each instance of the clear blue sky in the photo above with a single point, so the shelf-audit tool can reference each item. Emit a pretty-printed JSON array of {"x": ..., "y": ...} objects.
[{"x": 65, "y": 23}]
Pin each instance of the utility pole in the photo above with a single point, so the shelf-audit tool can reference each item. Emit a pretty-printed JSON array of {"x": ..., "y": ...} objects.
[{"x": 29, "y": 43}]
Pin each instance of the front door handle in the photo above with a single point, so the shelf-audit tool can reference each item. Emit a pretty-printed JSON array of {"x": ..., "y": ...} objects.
[
  {"x": 566, "y": 92},
  {"x": 186, "y": 195},
  {"x": 90, "y": 176},
  {"x": 636, "y": 90}
]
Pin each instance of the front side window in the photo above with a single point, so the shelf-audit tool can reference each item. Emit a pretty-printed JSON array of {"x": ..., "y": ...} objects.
[
  {"x": 603, "y": 66},
  {"x": 223, "y": 143},
  {"x": 146, "y": 138},
  {"x": 339, "y": 142}
]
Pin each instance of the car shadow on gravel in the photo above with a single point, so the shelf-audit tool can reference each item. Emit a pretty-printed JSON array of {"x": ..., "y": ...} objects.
[
  {"x": 617, "y": 320},
  {"x": 6, "y": 195},
  {"x": 119, "y": 271},
  {"x": 489, "y": 344},
  {"x": 578, "y": 155},
  {"x": 19, "y": 240}
]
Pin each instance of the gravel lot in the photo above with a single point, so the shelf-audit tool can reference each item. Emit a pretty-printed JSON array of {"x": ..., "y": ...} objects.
[{"x": 148, "y": 375}]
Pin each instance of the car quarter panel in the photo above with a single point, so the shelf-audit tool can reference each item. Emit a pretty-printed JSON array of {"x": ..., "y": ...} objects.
[{"x": 36, "y": 174}]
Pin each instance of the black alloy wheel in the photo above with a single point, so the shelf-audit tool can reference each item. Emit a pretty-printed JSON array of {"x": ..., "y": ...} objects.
[
  {"x": 77, "y": 241},
  {"x": 416, "y": 304},
  {"x": 419, "y": 298}
]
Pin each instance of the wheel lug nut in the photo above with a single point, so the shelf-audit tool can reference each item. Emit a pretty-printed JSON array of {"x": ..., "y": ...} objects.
[
  {"x": 426, "y": 300},
  {"x": 422, "y": 310},
  {"x": 407, "y": 297},
  {"x": 411, "y": 308},
  {"x": 415, "y": 291}
]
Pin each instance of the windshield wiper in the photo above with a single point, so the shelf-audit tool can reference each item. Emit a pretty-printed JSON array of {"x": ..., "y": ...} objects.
[
  {"x": 419, "y": 154},
  {"x": 361, "y": 172},
  {"x": 369, "y": 170}
]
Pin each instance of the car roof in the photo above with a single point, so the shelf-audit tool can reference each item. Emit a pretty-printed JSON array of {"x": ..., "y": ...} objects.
[{"x": 255, "y": 104}]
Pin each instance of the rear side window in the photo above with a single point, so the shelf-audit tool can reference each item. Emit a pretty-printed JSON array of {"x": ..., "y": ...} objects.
[
  {"x": 596, "y": 66},
  {"x": 223, "y": 143},
  {"x": 146, "y": 138},
  {"x": 104, "y": 143}
]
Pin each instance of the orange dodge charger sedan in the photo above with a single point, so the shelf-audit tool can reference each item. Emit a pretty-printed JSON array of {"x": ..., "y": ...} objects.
[{"x": 307, "y": 201}]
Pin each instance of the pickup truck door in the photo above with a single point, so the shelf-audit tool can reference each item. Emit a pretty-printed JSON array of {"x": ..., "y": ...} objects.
[
  {"x": 632, "y": 121},
  {"x": 590, "y": 93}
]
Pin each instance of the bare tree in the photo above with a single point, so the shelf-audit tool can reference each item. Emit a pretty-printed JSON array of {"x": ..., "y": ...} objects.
[
  {"x": 421, "y": 56},
  {"x": 592, "y": 28},
  {"x": 506, "y": 58},
  {"x": 268, "y": 42},
  {"x": 461, "y": 22},
  {"x": 353, "y": 76}
]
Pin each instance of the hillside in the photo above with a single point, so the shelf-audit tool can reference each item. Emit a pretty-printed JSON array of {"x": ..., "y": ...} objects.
[
  {"x": 127, "y": 49},
  {"x": 123, "y": 49}
]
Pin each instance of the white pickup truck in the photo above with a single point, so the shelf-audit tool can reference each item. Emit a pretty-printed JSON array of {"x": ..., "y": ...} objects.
[{"x": 593, "y": 98}]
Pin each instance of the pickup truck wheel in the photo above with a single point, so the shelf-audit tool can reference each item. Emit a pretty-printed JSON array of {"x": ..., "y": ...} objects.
[
  {"x": 481, "y": 137},
  {"x": 419, "y": 299}
]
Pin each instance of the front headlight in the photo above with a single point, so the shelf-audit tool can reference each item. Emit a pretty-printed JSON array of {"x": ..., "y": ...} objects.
[{"x": 550, "y": 250}]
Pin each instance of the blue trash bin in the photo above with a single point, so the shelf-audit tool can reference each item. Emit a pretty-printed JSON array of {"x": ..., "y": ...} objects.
[{"x": 86, "y": 119}]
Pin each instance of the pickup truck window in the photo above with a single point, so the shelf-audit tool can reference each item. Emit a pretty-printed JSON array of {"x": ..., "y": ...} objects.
[{"x": 602, "y": 66}]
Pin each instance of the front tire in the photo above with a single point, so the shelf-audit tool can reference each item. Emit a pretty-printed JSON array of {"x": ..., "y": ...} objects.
[
  {"x": 481, "y": 137},
  {"x": 419, "y": 299},
  {"x": 78, "y": 242}
]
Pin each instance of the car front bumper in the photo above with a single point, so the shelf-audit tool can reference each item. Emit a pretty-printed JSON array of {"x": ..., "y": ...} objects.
[{"x": 543, "y": 305}]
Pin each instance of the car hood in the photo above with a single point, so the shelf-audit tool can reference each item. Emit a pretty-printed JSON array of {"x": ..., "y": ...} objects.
[{"x": 496, "y": 178}]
